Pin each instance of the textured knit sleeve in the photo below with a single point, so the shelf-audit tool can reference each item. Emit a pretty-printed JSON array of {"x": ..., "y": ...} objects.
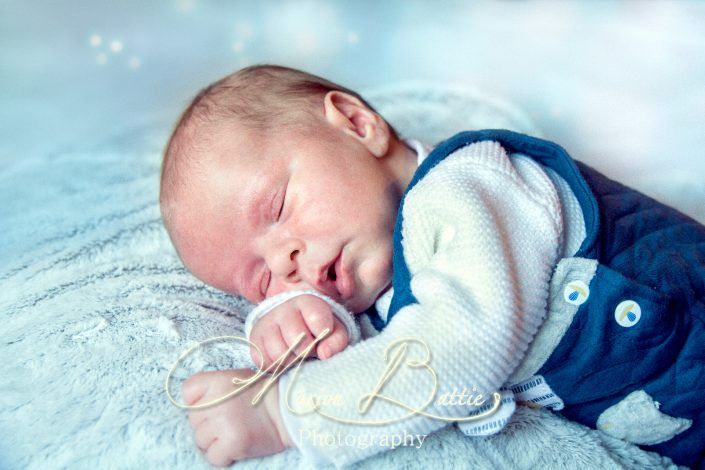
[{"x": 481, "y": 233}]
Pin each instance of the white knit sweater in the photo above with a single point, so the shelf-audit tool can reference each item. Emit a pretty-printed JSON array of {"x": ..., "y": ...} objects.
[{"x": 482, "y": 232}]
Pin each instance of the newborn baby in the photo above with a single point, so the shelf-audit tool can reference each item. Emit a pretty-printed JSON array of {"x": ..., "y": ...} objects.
[{"x": 493, "y": 264}]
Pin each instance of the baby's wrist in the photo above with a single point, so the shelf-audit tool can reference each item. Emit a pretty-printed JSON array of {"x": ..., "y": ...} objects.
[
  {"x": 271, "y": 403},
  {"x": 338, "y": 310}
]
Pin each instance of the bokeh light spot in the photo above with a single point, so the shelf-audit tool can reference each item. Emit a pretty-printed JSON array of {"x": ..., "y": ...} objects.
[{"x": 116, "y": 46}]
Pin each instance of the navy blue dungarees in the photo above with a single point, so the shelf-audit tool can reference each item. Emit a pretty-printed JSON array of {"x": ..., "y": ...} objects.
[{"x": 642, "y": 325}]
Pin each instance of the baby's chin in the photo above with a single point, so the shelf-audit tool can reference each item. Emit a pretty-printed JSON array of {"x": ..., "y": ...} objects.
[
  {"x": 373, "y": 276},
  {"x": 359, "y": 306},
  {"x": 368, "y": 299}
]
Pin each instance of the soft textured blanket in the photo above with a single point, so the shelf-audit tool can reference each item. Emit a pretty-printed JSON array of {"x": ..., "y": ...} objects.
[{"x": 95, "y": 307}]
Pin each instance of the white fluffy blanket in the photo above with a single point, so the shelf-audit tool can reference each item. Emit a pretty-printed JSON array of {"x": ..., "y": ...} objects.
[{"x": 96, "y": 307}]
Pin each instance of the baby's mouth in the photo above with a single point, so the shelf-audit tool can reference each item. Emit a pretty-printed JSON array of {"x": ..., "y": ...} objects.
[
  {"x": 328, "y": 279},
  {"x": 334, "y": 279}
]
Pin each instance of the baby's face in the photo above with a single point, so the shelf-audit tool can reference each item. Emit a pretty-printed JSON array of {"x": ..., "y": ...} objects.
[{"x": 286, "y": 212}]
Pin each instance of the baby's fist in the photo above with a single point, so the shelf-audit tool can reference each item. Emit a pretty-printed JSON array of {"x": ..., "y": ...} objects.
[
  {"x": 234, "y": 429},
  {"x": 278, "y": 330}
]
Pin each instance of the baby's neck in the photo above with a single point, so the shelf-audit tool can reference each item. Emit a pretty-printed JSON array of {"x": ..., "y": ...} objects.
[{"x": 403, "y": 162}]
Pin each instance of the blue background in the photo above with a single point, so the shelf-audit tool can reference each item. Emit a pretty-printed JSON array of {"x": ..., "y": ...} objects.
[{"x": 621, "y": 85}]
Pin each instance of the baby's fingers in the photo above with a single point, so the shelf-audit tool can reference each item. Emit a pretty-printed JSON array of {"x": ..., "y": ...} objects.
[
  {"x": 275, "y": 345},
  {"x": 317, "y": 314},
  {"x": 257, "y": 351},
  {"x": 204, "y": 436},
  {"x": 334, "y": 343},
  {"x": 292, "y": 329}
]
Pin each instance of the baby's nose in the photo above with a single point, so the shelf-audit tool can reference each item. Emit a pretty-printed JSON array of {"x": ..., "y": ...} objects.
[{"x": 284, "y": 260}]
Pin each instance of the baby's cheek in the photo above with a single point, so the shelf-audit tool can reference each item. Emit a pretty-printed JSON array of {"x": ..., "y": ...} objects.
[
  {"x": 322, "y": 220},
  {"x": 376, "y": 271}
]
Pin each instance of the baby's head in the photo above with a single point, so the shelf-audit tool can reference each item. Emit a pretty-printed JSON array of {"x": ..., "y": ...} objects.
[{"x": 275, "y": 179}]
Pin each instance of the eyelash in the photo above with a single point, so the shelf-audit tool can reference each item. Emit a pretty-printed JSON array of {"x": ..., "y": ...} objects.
[
  {"x": 281, "y": 208},
  {"x": 268, "y": 274}
]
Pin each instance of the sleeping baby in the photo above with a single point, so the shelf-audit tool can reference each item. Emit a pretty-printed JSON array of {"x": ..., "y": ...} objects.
[{"x": 491, "y": 267}]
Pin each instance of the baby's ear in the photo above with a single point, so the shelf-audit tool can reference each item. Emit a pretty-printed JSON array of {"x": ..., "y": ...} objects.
[{"x": 350, "y": 115}]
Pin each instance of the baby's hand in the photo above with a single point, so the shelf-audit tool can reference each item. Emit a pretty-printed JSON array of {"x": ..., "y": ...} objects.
[
  {"x": 277, "y": 331},
  {"x": 234, "y": 429}
]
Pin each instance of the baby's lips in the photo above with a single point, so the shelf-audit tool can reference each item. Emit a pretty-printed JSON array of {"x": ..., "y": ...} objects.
[{"x": 344, "y": 279}]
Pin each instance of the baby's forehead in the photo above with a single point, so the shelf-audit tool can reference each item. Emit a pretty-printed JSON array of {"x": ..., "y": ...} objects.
[
  {"x": 225, "y": 144},
  {"x": 235, "y": 164}
]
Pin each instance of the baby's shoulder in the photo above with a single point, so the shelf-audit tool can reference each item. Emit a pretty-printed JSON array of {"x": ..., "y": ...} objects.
[
  {"x": 484, "y": 154},
  {"x": 453, "y": 174},
  {"x": 476, "y": 183},
  {"x": 444, "y": 195}
]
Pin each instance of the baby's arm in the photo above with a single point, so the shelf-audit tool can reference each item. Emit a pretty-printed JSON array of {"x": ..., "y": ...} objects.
[
  {"x": 480, "y": 245},
  {"x": 235, "y": 429}
]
